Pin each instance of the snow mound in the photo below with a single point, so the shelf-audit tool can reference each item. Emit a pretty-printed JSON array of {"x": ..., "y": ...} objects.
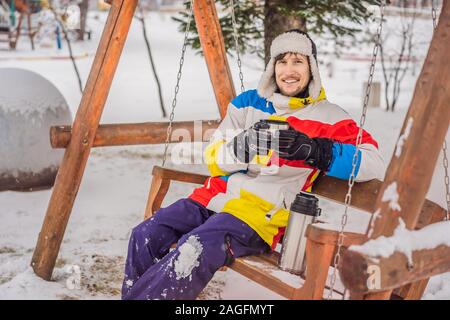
[{"x": 29, "y": 106}]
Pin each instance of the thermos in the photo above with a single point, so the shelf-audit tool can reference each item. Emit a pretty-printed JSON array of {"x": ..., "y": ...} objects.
[{"x": 303, "y": 212}]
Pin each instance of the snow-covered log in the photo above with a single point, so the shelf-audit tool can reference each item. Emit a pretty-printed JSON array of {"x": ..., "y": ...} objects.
[
  {"x": 29, "y": 106},
  {"x": 390, "y": 262}
]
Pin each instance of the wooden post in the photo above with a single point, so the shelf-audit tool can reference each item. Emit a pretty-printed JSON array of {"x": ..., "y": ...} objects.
[
  {"x": 84, "y": 127},
  {"x": 411, "y": 168},
  {"x": 213, "y": 46},
  {"x": 120, "y": 134},
  {"x": 320, "y": 257}
]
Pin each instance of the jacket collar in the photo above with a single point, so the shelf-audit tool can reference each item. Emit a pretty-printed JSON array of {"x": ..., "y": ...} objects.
[{"x": 285, "y": 104}]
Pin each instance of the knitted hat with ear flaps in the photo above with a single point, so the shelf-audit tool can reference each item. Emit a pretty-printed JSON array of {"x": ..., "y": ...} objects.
[{"x": 291, "y": 41}]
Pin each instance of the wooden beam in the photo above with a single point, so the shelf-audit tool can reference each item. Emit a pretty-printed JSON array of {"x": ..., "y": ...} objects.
[
  {"x": 408, "y": 177},
  {"x": 84, "y": 127},
  {"x": 429, "y": 215},
  {"x": 138, "y": 133},
  {"x": 360, "y": 270},
  {"x": 213, "y": 46}
]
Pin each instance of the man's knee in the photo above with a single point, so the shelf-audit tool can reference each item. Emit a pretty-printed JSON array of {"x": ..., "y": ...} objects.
[
  {"x": 203, "y": 251},
  {"x": 141, "y": 230}
]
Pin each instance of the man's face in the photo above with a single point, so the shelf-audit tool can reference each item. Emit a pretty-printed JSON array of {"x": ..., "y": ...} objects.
[{"x": 292, "y": 73}]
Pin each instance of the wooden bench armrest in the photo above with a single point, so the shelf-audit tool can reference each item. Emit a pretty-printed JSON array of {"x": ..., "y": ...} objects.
[
  {"x": 161, "y": 182},
  {"x": 318, "y": 234},
  {"x": 176, "y": 175}
]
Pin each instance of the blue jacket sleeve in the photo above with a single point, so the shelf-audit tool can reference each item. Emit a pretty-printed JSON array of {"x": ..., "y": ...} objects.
[{"x": 341, "y": 163}]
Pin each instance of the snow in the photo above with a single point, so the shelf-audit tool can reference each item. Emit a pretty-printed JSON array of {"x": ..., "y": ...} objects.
[
  {"x": 187, "y": 260},
  {"x": 407, "y": 241},
  {"x": 403, "y": 137},
  {"x": 29, "y": 105},
  {"x": 438, "y": 288},
  {"x": 129, "y": 283},
  {"x": 391, "y": 195},
  {"x": 375, "y": 216},
  {"x": 28, "y": 93},
  {"x": 113, "y": 193}
]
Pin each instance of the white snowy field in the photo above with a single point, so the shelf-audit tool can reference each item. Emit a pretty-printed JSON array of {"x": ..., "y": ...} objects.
[{"x": 113, "y": 193}]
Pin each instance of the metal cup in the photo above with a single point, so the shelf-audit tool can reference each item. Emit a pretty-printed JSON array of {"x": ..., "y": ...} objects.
[
  {"x": 303, "y": 212},
  {"x": 268, "y": 129}
]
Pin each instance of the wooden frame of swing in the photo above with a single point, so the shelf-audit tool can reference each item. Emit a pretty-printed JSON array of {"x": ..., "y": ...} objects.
[{"x": 321, "y": 243}]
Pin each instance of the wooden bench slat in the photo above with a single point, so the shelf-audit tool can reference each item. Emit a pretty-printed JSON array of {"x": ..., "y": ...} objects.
[
  {"x": 259, "y": 270},
  {"x": 329, "y": 236}
]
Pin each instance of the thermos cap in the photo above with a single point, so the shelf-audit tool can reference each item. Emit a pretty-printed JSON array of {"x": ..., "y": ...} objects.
[{"x": 306, "y": 203}]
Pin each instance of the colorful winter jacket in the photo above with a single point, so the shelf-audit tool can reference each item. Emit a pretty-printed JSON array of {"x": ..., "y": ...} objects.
[{"x": 260, "y": 193}]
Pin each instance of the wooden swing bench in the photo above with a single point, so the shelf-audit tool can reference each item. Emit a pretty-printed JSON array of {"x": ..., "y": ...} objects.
[{"x": 321, "y": 243}]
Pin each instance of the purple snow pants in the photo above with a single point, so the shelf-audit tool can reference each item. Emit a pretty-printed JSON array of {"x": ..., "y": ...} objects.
[{"x": 205, "y": 241}]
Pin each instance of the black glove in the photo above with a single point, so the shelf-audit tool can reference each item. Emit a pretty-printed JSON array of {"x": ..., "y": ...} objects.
[
  {"x": 251, "y": 142},
  {"x": 295, "y": 145}
]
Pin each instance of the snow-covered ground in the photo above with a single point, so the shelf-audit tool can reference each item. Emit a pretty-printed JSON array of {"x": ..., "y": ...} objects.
[{"x": 113, "y": 193}]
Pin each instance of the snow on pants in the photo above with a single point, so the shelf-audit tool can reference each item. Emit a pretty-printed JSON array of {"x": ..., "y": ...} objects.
[{"x": 205, "y": 240}]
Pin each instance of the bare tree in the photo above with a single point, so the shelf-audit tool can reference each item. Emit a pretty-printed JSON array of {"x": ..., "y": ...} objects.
[
  {"x": 69, "y": 45},
  {"x": 141, "y": 18},
  {"x": 396, "y": 63}
]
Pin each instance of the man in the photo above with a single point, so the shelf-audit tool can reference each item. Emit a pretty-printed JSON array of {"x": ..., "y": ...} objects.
[{"x": 242, "y": 209}]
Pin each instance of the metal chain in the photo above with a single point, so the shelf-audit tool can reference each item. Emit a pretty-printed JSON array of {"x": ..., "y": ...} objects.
[
  {"x": 236, "y": 44},
  {"x": 447, "y": 180},
  {"x": 177, "y": 86},
  {"x": 433, "y": 15},
  {"x": 351, "y": 181},
  {"x": 444, "y": 146}
]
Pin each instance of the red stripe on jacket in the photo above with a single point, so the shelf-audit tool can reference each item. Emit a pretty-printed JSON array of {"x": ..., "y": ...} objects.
[
  {"x": 277, "y": 238},
  {"x": 211, "y": 187},
  {"x": 345, "y": 131},
  {"x": 310, "y": 180},
  {"x": 275, "y": 160}
]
